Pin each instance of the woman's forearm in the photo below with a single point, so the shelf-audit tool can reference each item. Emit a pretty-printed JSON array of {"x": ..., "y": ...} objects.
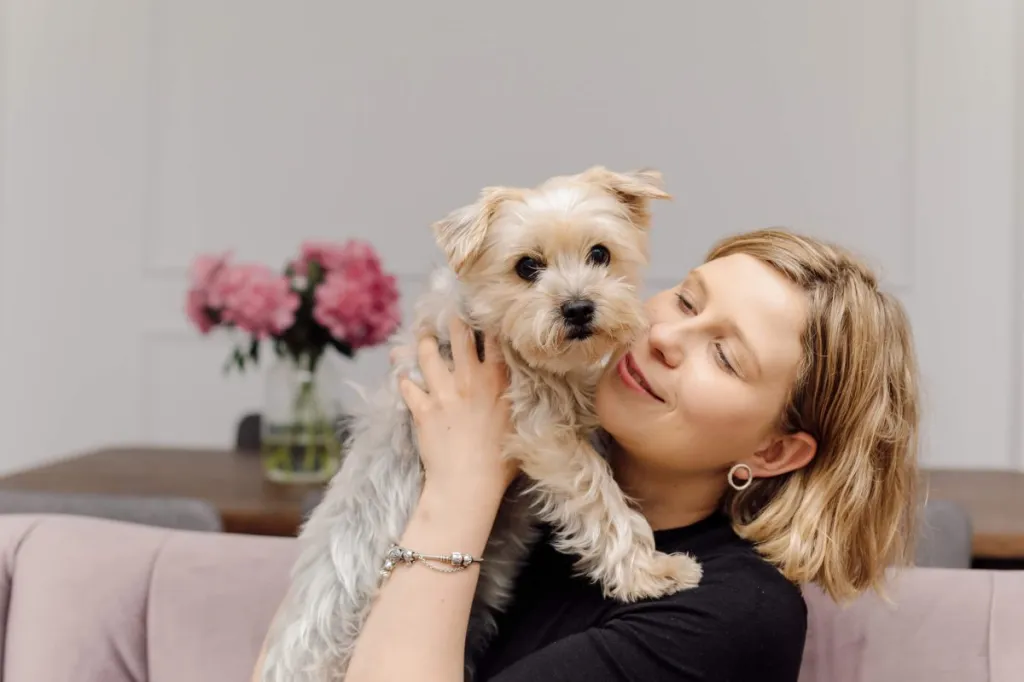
[{"x": 416, "y": 629}]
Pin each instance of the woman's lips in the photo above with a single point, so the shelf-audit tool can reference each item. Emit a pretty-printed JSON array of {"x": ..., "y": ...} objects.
[{"x": 634, "y": 378}]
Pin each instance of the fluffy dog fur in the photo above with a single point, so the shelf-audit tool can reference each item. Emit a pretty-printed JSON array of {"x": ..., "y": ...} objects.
[{"x": 558, "y": 317}]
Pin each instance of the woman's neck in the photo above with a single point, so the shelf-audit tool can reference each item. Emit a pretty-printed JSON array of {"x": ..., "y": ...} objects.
[{"x": 667, "y": 499}]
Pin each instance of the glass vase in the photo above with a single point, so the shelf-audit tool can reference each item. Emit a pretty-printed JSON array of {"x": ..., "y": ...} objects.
[{"x": 299, "y": 441}]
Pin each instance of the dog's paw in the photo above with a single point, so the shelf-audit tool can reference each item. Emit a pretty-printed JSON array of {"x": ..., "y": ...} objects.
[{"x": 664, "y": 574}]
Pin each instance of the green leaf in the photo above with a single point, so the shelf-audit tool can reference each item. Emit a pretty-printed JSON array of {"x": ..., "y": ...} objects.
[
  {"x": 342, "y": 347},
  {"x": 254, "y": 351}
]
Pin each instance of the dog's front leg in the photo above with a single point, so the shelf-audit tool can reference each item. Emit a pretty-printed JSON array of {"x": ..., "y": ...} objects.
[{"x": 594, "y": 521}]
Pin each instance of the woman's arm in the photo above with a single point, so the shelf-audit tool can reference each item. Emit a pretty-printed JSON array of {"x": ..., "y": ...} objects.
[{"x": 416, "y": 628}]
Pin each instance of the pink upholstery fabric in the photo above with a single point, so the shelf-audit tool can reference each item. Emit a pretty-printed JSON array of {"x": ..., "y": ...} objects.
[
  {"x": 210, "y": 603},
  {"x": 90, "y": 600},
  {"x": 942, "y": 626},
  {"x": 1006, "y": 628}
]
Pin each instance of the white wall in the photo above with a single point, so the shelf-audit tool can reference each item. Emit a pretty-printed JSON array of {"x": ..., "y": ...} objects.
[
  {"x": 1017, "y": 305},
  {"x": 134, "y": 134}
]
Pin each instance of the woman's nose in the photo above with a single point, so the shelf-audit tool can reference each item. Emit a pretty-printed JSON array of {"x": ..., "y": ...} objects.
[{"x": 666, "y": 344}]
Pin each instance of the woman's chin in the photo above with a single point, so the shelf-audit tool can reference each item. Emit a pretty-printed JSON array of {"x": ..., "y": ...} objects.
[{"x": 620, "y": 412}]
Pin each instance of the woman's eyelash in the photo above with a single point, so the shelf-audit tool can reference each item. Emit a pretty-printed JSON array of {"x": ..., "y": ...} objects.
[
  {"x": 724, "y": 360},
  {"x": 684, "y": 302}
]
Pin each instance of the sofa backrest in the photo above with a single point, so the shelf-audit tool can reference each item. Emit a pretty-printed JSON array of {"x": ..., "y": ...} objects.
[
  {"x": 93, "y": 600},
  {"x": 942, "y": 625}
]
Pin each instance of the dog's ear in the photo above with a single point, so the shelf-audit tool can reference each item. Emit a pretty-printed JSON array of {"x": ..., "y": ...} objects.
[
  {"x": 633, "y": 188},
  {"x": 463, "y": 232}
]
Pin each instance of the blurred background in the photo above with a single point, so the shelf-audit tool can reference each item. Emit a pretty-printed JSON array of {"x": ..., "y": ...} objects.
[{"x": 137, "y": 135}]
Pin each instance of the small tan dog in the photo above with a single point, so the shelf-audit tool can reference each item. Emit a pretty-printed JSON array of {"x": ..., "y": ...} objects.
[{"x": 553, "y": 273}]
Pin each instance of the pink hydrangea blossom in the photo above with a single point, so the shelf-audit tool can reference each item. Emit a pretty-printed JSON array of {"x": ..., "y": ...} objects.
[
  {"x": 333, "y": 257},
  {"x": 357, "y": 302},
  {"x": 328, "y": 255},
  {"x": 359, "y": 254},
  {"x": 255, "y": 299},
  {"x": 202, "y": 275}
]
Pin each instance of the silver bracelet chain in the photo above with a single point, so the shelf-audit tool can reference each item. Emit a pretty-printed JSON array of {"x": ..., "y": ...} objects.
[{"x": 453, "y": 563}]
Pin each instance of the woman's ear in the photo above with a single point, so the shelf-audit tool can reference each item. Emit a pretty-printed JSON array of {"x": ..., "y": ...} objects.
[{"x": 783, "y": 454}]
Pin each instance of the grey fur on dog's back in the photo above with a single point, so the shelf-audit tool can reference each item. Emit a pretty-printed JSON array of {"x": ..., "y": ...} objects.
[{"x": 333, "y": 581}]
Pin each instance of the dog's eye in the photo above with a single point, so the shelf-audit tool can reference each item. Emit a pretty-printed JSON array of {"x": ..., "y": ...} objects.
[
  {"x": 529, "y": 268},
  {"x": 599, "y": 255}
]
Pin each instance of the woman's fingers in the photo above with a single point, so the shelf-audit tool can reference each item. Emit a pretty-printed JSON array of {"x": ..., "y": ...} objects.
[
  {"x": 415, "y": 399},
  {"x": 435, "y": 372},
  {"x": 492, "y": 351},
  {"x": 465, "y": 358},
  {"x": 463, "y": 350},
  {"x": 494, "y": 360}
]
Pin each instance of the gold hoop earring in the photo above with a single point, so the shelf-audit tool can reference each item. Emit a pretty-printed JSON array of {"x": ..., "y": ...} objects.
[{"x": 745, "y": 483}]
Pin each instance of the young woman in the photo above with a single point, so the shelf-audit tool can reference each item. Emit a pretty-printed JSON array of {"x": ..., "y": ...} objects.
[{"x": 766, "y": 424}]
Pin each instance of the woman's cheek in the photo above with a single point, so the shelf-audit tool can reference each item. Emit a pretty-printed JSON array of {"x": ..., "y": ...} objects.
[
  {"x": 697, "y": 385},
  {"x": 706, "y": 399}
]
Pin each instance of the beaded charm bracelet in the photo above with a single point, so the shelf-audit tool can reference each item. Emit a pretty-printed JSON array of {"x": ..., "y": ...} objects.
[{"x": 453, "y": 563}]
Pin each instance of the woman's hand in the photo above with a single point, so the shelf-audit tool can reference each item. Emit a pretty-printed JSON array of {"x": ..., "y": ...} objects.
[{"x": 463, "y": 417}]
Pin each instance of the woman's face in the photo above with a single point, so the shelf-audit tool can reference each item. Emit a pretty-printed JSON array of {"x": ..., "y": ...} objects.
[{"x": 706, "y": 386}]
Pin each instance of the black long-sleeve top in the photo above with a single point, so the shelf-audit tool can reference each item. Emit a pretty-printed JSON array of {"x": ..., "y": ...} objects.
[{"x": 744, "y": 623}]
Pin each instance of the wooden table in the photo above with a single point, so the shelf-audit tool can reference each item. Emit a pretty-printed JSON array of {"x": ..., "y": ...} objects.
[
  {"x": 995, "y": 502},
  {"x": 232, "y": 481}
]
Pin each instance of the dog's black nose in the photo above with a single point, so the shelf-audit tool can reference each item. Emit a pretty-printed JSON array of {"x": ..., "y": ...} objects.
[{"x": 578, "y": 313}]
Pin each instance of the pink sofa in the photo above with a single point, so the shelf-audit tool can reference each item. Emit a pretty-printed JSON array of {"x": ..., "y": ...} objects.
[{"x": 90, "y": 600}]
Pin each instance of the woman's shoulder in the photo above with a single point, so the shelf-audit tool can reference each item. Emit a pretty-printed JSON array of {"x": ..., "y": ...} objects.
[
  {"x": 742, "y": 601},
  {"x": 736, "y": 578},
  {"x": 561, "y": 628},
  {"x": 743, "y": 592},
  {"x": 742, "y": 605}
]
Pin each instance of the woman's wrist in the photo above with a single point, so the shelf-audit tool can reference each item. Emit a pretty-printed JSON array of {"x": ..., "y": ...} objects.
[
  {"x": 451, "y": 517},
  {"x": 452, "y": 500},
  {"x": 480, "y": 484}
]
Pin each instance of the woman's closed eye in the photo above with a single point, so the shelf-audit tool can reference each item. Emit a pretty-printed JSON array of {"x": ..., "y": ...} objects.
[
  {"x": 687, "y": 306},
  {"x": 723, "y": 359}
]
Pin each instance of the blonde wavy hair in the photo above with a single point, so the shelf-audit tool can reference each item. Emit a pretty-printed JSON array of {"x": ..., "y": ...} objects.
[{"x": 847, "y": 516}]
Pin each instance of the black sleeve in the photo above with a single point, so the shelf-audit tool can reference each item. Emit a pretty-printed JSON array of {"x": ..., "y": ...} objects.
[{"x": 719, "y": 634}]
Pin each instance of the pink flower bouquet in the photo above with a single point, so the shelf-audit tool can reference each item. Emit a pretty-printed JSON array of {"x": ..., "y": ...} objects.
[{"x": 332, "y": 295}]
